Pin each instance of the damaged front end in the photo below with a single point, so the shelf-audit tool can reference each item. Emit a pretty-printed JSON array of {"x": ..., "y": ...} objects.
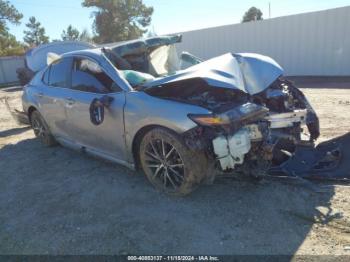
[
  {"x": 261, "y": 124},
  {"x": 237, "y": 140},
  {"x": 272, "y": 135}
]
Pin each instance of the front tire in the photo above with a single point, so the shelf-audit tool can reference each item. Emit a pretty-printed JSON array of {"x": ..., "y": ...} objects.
[
  {"x": 169, "y": 164},
  {"x": 41, "y": 129}
]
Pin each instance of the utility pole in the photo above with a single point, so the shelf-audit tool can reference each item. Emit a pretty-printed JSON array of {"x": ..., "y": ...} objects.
[{"x": 269, "y": 10}]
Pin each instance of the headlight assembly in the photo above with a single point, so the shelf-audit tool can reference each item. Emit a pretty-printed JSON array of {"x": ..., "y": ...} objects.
[{"x": 242, "y": 113}]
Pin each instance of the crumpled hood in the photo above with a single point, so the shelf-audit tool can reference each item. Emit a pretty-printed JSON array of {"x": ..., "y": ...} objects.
[{"x": 248, "y": 72}]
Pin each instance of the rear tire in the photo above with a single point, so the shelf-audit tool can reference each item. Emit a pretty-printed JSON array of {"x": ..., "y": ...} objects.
[
  {"x": 169, "y": 164},
  {"x": 41, "y": 129}
]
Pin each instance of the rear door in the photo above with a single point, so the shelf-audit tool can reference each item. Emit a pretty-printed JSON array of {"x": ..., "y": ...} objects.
[
  {"x": 89, "y": 81},
  {"x": 53, "y": 94}
]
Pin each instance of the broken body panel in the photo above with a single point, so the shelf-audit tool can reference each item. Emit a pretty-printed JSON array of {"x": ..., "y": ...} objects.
[{"x": 328, "y": 160}]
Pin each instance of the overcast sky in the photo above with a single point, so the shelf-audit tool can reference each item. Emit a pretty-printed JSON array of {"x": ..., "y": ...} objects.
[{"x": 169, "y": 16}]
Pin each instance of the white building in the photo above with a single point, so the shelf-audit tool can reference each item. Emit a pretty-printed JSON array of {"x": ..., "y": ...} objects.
[{"x": 316, "y": 43}]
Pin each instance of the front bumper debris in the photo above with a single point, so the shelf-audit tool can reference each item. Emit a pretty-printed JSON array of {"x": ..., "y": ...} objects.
[
  {"x": 283, "y": 120},
  {"x": 329, "y": 160}
]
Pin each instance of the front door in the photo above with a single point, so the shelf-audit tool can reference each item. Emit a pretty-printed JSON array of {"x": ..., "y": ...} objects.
[{"x": 89, "y": 81}]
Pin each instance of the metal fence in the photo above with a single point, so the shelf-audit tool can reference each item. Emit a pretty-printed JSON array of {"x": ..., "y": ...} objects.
[
  {"x": 316, "y": 43},
  {"x": 8, "y": 67}
]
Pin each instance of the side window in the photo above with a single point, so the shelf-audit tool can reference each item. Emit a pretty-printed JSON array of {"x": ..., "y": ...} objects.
[
  {"x": 59, "y": 72},
  {"x": 88, "y": 76}
]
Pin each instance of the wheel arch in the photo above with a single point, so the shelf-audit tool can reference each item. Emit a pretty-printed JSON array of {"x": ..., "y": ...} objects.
[
  {"x": 31, "y": 109},
  {"x": 137, "y": 140}
]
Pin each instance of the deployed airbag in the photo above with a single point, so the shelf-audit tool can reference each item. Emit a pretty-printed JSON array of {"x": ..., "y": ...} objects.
[{"x": 136, "y": 78}]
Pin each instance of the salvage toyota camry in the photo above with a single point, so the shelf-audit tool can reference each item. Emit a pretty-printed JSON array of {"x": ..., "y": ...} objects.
[{"x": 180, "y": 119}]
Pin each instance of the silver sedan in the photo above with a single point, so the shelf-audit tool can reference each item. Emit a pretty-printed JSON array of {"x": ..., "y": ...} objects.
[{"x": 180, "y": 119}]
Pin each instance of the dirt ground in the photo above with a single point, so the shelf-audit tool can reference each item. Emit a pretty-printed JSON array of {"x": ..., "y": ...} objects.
[{"x": 57, "y": 201}]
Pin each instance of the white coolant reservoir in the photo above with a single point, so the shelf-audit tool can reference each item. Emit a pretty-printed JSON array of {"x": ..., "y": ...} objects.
[{"x": 231, "y": 150}]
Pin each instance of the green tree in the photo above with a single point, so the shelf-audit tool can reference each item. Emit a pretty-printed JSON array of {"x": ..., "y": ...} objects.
[
  {"x": 118, "y": 20},
  {"x": 72, "y": 34},
  {"x": 85, "y": 36},
  {"x": 8, "y": 43},
  {"x": 252, "y": 14},
  {"x": 8, "y": 13},
  {"x": 35, "y": 35}
]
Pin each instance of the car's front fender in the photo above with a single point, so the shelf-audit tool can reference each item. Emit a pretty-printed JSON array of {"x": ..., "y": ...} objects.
[{"x": 142, "y": 110}]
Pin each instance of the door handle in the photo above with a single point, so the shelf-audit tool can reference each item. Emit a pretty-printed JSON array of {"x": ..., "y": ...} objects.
[
  {"x": 70, "y": 101},
  {"x": 40, "y": 94}
]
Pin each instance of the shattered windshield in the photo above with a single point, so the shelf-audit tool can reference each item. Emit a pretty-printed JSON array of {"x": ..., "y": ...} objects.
[
  {"x": 143, "y": 60},
  {"x": 143, "y": 67},
  {"x": 115, "y": 59}
]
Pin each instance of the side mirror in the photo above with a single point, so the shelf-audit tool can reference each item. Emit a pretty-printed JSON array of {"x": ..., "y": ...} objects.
[{"x": 97, "y": 109}]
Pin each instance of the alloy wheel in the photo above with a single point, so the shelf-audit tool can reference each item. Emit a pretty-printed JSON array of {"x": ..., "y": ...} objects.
[
  {"x": 165, "y": 164},
  {"x": 39, "y": 129}
]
